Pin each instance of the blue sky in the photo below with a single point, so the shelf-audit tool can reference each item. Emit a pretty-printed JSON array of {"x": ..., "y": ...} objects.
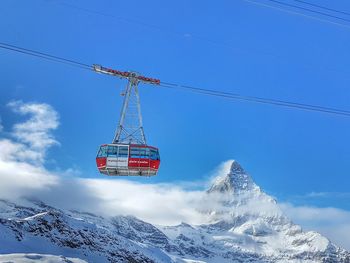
[{"x": 231, "y": 46}]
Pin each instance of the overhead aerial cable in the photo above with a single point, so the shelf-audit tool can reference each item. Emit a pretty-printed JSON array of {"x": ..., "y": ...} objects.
[
  {"x": 210, "y": 92},
  {"x": 323, "y": 7},
  {"x": 309, "y": 10},
  {"x": 295, "y": 12},
  {"x": 235, "y": 96},
  {"x": 44, "y": 56}
]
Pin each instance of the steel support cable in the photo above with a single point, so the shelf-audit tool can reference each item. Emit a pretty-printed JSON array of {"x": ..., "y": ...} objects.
[
  {"x": 167, "y": 30},
  {"x": 309, "y": 10},
  {"x": 336, "y": 112},
  {"x": 185, "y": 87},
  {"x": 293, "y": 12},
  {"x": 263, "y": 100},
  {"x": 44, "y": 56},
  {"x": 258, "y": 100},
  {"x": 323, "y": 7}
]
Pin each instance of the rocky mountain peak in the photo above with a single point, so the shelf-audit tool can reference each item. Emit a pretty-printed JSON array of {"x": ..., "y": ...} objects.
[{"x": 236, "y": 180}]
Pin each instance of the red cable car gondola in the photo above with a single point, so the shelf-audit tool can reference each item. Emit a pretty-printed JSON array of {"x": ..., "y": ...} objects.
[
  {"x": 125, "y": 159},
  {"x": 128, "y": 154}
]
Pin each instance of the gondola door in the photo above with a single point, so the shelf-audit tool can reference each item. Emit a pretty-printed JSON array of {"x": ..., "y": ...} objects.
[{"x": 123, "y": 156}]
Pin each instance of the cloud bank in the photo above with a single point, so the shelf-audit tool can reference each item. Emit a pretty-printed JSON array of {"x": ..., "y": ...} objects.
[
  {"x": 23, "y": 174},
  {"x": 22, "y": 156}
]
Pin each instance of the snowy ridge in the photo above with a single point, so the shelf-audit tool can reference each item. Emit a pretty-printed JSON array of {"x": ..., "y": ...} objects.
[
  {"x": 245, "y": 225},
  {"x": 31, "y": 258}
]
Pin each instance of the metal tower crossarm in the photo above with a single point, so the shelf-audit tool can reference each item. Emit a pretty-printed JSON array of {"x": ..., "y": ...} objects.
[{"x": 125, "y": 74}]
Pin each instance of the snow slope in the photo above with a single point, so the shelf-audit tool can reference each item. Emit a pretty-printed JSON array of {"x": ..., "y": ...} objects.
[
  {"x": 31, "y": 258},
  {"x": 244, "y": 225}
]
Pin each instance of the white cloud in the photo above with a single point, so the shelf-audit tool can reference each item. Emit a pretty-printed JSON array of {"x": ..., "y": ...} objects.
[
  {"x": 18, "y": 178},
  {"x": 22, "y": 174},
  {"x": 157, "y": 203},
  {"x": 21, "y": 170},
  {"x": 326, "y": 195},
  {"x": 316, "y": 214},
  {"x": 35, "y": 131}
]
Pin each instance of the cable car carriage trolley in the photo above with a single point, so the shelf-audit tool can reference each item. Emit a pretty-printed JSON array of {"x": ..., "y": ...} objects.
[{"x": 128, "y": 154}]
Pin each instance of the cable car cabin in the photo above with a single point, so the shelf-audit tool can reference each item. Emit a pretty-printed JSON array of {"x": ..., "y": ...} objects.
[{"x": 128, "y": 160}]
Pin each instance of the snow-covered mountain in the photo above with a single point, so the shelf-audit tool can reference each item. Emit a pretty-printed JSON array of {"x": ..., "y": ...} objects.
[{"x": 244, "y": 225}]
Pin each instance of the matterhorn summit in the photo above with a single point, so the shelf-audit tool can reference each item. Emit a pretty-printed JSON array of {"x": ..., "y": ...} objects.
[
  {"x": 236, "y": 181},
  {"x": 238, "y": 195},
  {"x": 242, "y": 224}
]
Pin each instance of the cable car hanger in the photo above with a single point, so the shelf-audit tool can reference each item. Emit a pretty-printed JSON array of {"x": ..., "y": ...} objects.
[{"x": 125, "y": 132}]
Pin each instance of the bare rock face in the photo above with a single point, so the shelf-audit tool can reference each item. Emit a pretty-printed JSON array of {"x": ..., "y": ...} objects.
[
  {"x": 247, "y": 225},
  {"x": 237, "y": 180}
]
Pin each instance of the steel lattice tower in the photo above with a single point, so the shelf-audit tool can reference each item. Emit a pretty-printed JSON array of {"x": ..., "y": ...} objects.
[{"x": 130, "y": 128}]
